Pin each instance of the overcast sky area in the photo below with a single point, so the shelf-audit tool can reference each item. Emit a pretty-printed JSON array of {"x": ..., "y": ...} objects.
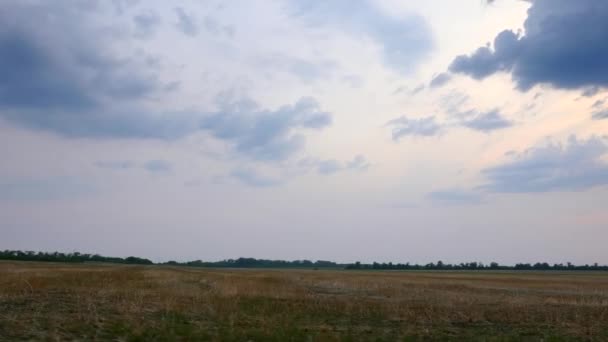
[{"x": 388, "y": 130}]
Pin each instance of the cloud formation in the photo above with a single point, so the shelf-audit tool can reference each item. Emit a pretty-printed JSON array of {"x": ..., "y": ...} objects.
[
  {"x": 425, "y": 127},
  {"x": 487, "y": 122},
  {"x": 440, "y": 80},
  {"x": 146, "y": 24},
  {"x": 563, "y": 45},
  {"x": 264, "y": 134},
  {"x": 158, "y": 166},
  {"x": 404, "y": 41},
  {"x": 573, "y": 166},
  {"x": 600, "y": 114},
  {"x": 186, "y": 23},
  {"x": 74, "y": 86},
  {"x": 331, "y": 166},
  {"x": 251, "y": 177}
]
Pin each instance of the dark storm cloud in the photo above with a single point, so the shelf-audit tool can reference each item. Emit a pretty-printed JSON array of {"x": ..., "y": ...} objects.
[
  {"x": 57, "y": 74},
  {"x": 564, "y": 45},
  {"x": 53, "y": 59},
  {"x": 404, "y": 41},
  {"x": 403, "y": 126},
  {"x": 263, "y": 134},
  {"x": 575, "y": 165}
]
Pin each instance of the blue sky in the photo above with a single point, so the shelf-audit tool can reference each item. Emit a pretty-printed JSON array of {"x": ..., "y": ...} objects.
[{"x": 342, "y": 130}]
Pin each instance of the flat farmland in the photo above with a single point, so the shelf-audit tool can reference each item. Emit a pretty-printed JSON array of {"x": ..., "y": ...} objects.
[{"x": 56, "y": 302}]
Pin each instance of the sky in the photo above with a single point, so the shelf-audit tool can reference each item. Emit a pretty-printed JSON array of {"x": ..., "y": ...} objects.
[{"x": 387, "y": 130}]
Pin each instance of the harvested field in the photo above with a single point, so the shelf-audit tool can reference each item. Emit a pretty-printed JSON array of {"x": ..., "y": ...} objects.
[{"x": 45, "y": 301}]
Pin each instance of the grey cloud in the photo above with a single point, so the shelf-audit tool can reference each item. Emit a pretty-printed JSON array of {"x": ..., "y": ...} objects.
[
  {"x": 405, "y": 41},
  {"x": 403, "y": 126},
  {"x": 76, "y": 88},
  {"x": 573, "y": 166},
  {"x": 262, "y": 134},
  {"x": 563, "y": 45},
  {"x": 599, "y": 103},
  {"x": 332, "y": 166},
  {"x": 487, "y": 122},
  {"x": 590, "y": 91},
  {"x": 440, "y": 80},
  {"x": 75, "y": 72},
  {"x": 417, "y": 89},
  {"x": 252, "y": 178},
  {"x": 327, "y": 167},
  {"x": 359, "y": 162},
  {"x": 600, "y": 114},
  {"x": 186, "y": 23},
  {"x": 158, "y": 166},
  {"x": 454, "y": 105},
  {"x": 69, "y": 87},
  {"x": 146, "y": 24},
  {"x": 214, "y": 27}
]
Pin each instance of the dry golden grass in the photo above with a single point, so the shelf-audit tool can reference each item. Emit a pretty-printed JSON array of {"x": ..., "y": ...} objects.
[{"x": 44, "y": 301}]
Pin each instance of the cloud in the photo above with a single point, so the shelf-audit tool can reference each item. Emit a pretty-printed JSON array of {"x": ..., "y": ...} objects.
[
  {"x": 573, "y": 166},
  {"x": 563, "y": 46},
  {"x": 427, "y": 126},
  {"x": 359, "y": 163},
  {"x": 599, "y": 103},
  {"x": 74, "y": 86},
  {"x": 454, "y": 104},
  {"x": 405, "y": 41},
  {"x": 600, "y": 114},
  {"x": 263, "y": 134},
  {"x": 328, "y": 167},
  {"x": 487, "y": 122},
  {"x": 146, "y": 24},
  {"x": 331, "y": 166},
  {"x": 440, "y": 80},
  {"x": 212, "y": 26},
  {"x": 403, "y": 126},
  {"x": 158, "y": 166},
  {"x": 186, "y": 23},
  {"x": 252, "y": 178}
]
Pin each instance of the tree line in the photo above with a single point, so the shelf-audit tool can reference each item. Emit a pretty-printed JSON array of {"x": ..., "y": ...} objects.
[
  {"x": 77, "y": 257},
  {"x": 540, "y": 266},
  {"x": 74, "y": 257}
]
